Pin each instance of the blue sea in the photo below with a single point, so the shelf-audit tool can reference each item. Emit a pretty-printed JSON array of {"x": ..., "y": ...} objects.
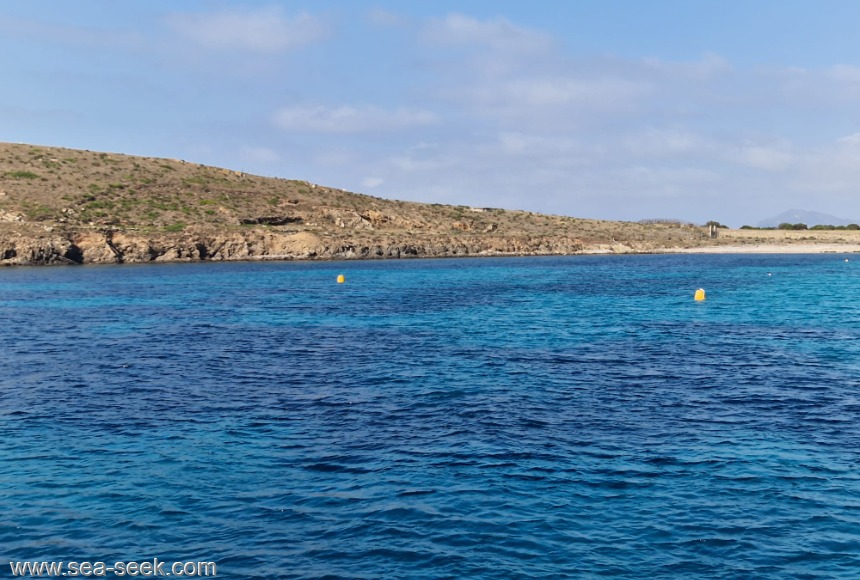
[{"x": 566, "y": 417}]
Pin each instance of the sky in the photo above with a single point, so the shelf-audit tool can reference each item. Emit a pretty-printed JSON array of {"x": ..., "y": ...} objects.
[{"x": 727, "y": 110}]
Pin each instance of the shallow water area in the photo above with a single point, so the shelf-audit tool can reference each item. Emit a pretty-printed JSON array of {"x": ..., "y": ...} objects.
[{"x": 482, "y": 418}]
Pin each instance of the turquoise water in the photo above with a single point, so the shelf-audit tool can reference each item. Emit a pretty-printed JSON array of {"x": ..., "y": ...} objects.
[{"x": 481, "y": 418}]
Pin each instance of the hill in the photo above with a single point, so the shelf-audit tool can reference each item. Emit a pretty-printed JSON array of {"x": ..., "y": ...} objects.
[
  {"x": 62, "y": 205},
  {"x": 70, "y": 206}
]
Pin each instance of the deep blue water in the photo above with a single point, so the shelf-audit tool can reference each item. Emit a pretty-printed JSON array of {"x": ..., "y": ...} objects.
[{"x": 480, "y": 418}]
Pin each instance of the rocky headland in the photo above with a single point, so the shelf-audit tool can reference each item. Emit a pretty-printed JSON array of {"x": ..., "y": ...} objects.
[{"x": 66, "y": 206}]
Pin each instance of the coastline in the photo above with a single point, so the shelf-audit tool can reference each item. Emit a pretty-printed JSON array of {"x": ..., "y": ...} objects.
[
  {"x": 302, "y": 247},
  {"x": 65, "y": 206}
]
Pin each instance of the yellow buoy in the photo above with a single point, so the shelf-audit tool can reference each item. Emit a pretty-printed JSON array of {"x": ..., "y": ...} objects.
[
  {"x": 700, "y": 295},
  {"x": 340, "y": 279}
]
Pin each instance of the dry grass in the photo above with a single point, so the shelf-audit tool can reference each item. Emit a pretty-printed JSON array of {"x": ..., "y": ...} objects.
[{"x": 790, "y": 236}]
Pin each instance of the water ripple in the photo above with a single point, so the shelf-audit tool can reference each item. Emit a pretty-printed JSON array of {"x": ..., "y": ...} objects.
[{"x": 540, "y": 418}]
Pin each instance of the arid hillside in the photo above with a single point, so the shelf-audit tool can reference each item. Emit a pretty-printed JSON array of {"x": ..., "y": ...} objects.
[{"x": 70, "y": 206}]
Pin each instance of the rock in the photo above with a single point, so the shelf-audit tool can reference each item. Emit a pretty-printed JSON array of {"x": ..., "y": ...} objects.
[
  {"x": 273, "y": 220},
  {"x": 347, "y": 219},
  {"x": 376, "y": 218},
  {"x": 19, "y": 246}
]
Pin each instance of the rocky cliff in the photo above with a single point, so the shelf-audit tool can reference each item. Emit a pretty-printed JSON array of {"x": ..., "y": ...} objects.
[{"x": 104, "y": 247}]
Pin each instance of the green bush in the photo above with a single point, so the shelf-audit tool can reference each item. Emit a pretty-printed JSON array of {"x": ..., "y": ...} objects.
[{"x": 22, "y": 175}]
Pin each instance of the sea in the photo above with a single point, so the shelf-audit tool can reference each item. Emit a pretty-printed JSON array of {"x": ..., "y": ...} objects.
[{"x": 541, "y": 417}]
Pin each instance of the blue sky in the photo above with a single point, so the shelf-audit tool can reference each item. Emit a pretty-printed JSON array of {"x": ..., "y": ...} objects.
[{"x": 616, "y": 109}]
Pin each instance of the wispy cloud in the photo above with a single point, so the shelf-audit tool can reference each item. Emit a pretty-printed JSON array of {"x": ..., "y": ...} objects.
[
  {"x": 837, "y": 85},
  {"x": 766, "y": 158},
  {"x": 849, "y": 75},
  {"x": 350, "y": 119},
  {"x": 498, "y": 35},
  {"x": 267, "y": 30},
  {"x": 456, "y": 108},
  {"x": 852, "y": 140},
  {"x": 525, "y": 95},
  {"x": 599, "y": 135}
]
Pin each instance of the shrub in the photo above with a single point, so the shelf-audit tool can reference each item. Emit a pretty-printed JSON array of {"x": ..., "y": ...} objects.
[
  {"x": 22, "y": 175},
  {"x": 41, "y": 213}
]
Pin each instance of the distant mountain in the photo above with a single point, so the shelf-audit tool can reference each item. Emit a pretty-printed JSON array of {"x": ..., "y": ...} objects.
[{"x": 800, "y": 216}]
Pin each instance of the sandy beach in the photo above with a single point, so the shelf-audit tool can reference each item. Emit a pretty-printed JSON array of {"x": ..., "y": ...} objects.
[
  {"x": 747, "y": 241},
  {"x": 773, "y": 249}
]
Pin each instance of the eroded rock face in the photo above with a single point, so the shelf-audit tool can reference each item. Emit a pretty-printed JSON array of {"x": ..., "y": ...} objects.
[
  {"x": 44, "y": 249},
  {"x": 106, "y": 247}
]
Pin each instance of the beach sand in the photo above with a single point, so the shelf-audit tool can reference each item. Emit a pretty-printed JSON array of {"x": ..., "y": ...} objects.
[
  {"x": 737, "y": 241},
  {"x": 772, "y": 249}
]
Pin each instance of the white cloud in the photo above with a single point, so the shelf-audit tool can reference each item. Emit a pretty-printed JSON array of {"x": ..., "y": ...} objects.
[
  {"x": 844, "y": 74},
  {"x": 766, "y": 158},
  {"x": 555, "y": 92},
  {"x": 549, "y": 149},
  {"x": 851, "y": 140},
  {"x": 266, "y": 30},
  {"x": 519, "y": 121},
  {"x": 498, "y": 35},
  {"x": 349, "y": 119},
  {"x": 522, "y": 101},
  {"x": 528, "y": 126},
  {"x": 522, "y": 79},
  {"x": 837, "y": 85}
]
